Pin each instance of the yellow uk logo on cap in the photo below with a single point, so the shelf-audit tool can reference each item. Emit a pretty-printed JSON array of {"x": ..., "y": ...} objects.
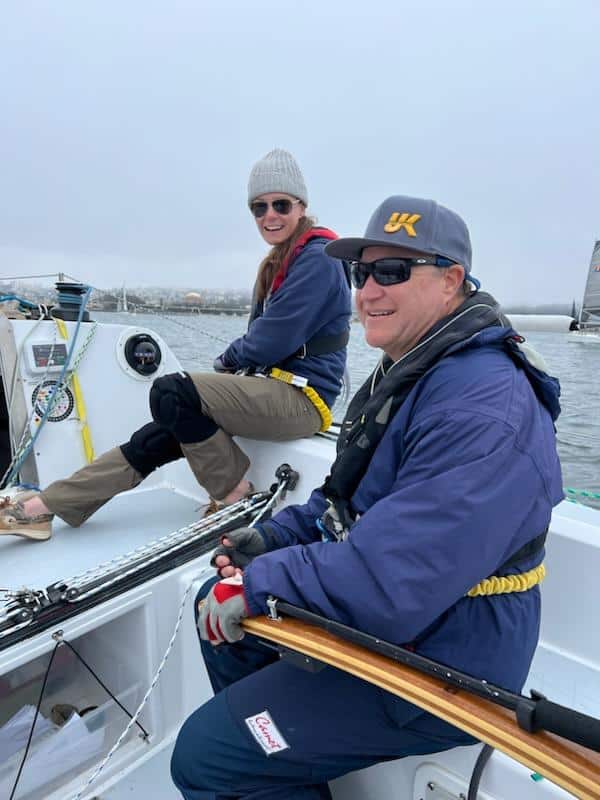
[{"x": 398, "y": 220}]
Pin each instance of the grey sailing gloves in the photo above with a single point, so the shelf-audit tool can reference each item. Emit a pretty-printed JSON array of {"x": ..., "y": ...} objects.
[
  {"x": 221, "y": 612},
  {"x": 237, "y": 549}
]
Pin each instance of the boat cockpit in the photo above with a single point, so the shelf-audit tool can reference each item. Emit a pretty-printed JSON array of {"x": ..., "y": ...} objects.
[{"x": 97, "y": 640}]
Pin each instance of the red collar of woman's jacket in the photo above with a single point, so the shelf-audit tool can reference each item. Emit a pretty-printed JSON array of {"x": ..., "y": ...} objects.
[{"x": 313, "y": 233}]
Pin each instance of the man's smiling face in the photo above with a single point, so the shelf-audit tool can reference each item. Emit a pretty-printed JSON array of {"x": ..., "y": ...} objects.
[{"x": 395, "y": 317}]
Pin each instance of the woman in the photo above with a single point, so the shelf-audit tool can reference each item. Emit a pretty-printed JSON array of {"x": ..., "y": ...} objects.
[{"x": 276, "y": 382}]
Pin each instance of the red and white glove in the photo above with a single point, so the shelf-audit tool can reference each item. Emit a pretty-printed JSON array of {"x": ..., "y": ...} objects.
[{"x": 222, "y": 611}]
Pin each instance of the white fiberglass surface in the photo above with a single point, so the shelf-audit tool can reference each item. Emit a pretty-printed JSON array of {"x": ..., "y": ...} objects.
[
  {"x": 129, "y": 521},
  {"x": 152, "y": 779},
  {"x": 565, "y": 680},
  {"x": 570, "y": 591}
]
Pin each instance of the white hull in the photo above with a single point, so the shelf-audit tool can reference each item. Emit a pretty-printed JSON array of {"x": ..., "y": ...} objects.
[
  {"x": 125, "y": 638},
  {"x": 584, "y": 337},
  {"x": 557, "y": 323}
]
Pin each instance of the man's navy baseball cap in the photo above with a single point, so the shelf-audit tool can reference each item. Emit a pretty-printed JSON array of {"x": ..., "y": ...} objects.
[{"x": 422, "y": 225}]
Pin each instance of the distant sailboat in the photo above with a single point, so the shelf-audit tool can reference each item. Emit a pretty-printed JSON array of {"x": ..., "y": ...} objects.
[
  {"x": 574, "y": 310},
  {"x": 589, "y": 314},
  {"x": 122, "y": 301}
]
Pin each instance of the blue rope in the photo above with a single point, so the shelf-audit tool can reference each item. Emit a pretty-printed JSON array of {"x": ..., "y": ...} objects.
[
  {"x": 50, "y": 403},
  {"x": 5, "y": 298},
  {"x": 69, "y": 299}
]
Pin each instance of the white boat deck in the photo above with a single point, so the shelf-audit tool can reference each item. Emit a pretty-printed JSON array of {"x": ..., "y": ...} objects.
[{"x": 129, "y": 521}]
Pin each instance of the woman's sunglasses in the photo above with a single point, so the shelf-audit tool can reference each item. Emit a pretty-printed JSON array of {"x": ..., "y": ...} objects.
[
  {"x": 283, "y": 206},
  {"x": 388, "y": 271}
]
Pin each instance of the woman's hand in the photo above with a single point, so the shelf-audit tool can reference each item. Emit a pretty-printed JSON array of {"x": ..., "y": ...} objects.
[{"x": 219, "y": 365}]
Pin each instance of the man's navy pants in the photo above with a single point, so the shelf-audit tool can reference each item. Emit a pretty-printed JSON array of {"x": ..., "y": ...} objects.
[{"x": 275, "y": 731}]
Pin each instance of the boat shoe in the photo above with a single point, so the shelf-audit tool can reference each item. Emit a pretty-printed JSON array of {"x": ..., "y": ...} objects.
[
  {"x": 217, "y": 505},
  {"x": 14, "y": 520}
]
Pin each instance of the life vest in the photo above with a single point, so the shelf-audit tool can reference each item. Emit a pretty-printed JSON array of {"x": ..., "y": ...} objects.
[
  {"x": 317, "y": 345},
  {"x": 379, "y": 399}
]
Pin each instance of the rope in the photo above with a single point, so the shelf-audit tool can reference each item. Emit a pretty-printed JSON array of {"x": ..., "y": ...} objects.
[
  {"x": 73, "y": 379},
  {"x": 22, "y": 605},
  {"x": 509, "y": 583},
  {"x": 22, "y": 448},
  {"x": 272, "y": 502},
  {"x": 54, "y": 393},
  {"x": 27, "y": 304},
  {"x": 313, "y": 396},
  {"x": 105, "y": 575},
  {"x": 82, "y": 350},
  {"x": 26, "y": 432},
  {"x": 140, "y": 708}
]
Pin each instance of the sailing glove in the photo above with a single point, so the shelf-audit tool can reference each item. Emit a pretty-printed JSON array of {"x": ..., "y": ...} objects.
[
  {"x": 222, "y": 611},
  {"x": 246, "y": 543}
]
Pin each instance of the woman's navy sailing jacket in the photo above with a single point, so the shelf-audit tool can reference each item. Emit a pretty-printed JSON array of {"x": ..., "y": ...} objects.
[
  {"x": 313, "y": 300},
  {"x": 466, "y": 473}
]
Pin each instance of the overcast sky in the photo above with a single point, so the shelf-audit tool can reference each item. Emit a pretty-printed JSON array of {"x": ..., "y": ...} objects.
[{"x": 128, "y": 129}]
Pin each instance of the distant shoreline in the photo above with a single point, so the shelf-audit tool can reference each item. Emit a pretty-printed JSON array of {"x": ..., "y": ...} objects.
[{"x": 175, "y": 309}]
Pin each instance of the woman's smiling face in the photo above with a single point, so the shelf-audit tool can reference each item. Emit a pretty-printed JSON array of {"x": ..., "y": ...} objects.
[{"x": 277, "y": 228}]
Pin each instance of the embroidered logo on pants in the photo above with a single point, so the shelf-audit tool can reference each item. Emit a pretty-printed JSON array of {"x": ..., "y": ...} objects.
[{"x": 266, "y": 733}]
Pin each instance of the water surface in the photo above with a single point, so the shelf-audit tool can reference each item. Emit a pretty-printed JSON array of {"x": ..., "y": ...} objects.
[{"x": 197, "y": 338}]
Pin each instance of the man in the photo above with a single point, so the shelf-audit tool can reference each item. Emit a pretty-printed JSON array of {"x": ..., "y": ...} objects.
[{"x": 446, "y": 474}]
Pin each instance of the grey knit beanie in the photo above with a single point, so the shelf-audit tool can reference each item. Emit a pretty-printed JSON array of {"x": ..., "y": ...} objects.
[{"x": 278, "y": 171}]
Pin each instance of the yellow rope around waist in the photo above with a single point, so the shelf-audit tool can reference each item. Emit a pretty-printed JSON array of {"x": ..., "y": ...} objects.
[
  {"x": 313, "y": 396},
  {"x": 86, "y": 435},
  {"x": 510, "y": 583}
]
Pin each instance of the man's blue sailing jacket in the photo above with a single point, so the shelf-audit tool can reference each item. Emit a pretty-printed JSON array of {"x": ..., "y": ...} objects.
[
  {"x": 466, "y": 474},
  {"x": 313, "y": 300}
]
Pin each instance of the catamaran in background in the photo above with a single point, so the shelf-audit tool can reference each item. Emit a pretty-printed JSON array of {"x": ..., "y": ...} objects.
[
  {"x": 97, "y": 622},
  {"x": 589, "y": 315}
]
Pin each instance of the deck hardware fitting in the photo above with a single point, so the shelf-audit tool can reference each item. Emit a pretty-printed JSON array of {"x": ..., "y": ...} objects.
[{"x": 272, "y": 605}]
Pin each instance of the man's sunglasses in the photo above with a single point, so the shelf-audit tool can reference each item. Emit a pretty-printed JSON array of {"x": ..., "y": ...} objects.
[
  {"x": 388, "y": 271},
  {"x": 283, "y": 206}
]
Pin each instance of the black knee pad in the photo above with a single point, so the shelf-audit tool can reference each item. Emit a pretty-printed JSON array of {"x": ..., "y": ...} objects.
[
  {"x": 151, "y": 447},
  {"x": 175, "y": 405}
]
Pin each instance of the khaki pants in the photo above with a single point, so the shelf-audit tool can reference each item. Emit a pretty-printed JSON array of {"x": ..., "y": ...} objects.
[{"x": 253, "y": 407}]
